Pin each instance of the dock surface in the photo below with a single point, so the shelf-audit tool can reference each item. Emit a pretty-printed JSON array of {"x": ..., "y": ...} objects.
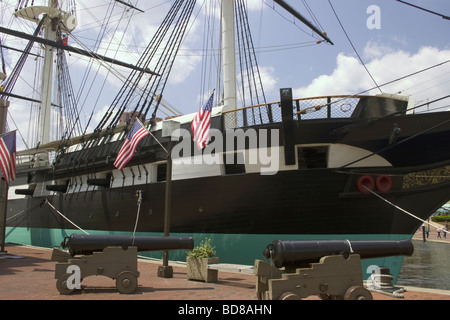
[{"x": 27, "y": 273}]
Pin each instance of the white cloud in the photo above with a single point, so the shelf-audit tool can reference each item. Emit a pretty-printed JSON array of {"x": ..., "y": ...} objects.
[
  {"x": 268, "y": 77},
  {"x": 345, "y": 79},
  {"x": 255, "y": 4},
  {"x": 379, "y": 47},
  {"x": 374, "y": 50},
  {"x": 385, "y": 65},
  {"x": 184, "y": 65}
]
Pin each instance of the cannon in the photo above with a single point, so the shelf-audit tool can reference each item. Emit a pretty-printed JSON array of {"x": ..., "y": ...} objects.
[
  {"x": 329, "y": 269},
  {"x": 107, "y": 255},
  {"x": 81, "y": 244},
  {"x": 298, "y": 253}
]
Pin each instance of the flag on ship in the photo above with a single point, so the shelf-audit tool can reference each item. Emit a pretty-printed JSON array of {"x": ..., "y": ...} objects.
[
  {"x": 8, "y": 156},
  {"x": 137, "y": 133},
  {"x": 201, "y": 124}
]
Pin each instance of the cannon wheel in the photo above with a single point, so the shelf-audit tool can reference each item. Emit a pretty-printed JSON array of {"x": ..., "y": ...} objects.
[
  {"x": 358, "y": 293},
  {"x": 126, "y": 282},
  {"x": 61, "y": 285},
  {"x": 289, "y": 296}
]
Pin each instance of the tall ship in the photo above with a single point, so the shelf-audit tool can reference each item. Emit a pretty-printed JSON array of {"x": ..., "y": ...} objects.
[{"x": 352, "y": 167}]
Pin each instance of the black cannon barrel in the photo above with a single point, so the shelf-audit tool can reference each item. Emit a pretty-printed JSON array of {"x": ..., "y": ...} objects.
[
  {"x": 297, "y": 253},
  {"x": 87, "y": 244}
]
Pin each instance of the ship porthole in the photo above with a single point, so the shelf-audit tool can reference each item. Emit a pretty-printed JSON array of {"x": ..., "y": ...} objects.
[
  {"x": 384, "y": 184},
  {"x": 367, "y": 182}
]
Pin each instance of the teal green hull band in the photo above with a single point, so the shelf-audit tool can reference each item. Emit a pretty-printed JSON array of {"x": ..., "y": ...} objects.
[{"x": 230, "y": 248}]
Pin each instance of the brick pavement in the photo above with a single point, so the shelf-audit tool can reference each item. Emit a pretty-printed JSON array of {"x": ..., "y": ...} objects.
[{"x": 30, "y": 276}]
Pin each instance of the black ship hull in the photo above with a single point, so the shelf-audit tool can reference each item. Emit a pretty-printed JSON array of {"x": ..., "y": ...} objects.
[{"x": 325, "y": 202}]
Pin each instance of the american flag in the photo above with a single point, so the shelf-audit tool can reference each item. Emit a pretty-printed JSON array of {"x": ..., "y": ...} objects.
[
  {"x": 8, "y": 156},
  {"x": 136, "y": 134},
  {"x": 201, "y": 124}
]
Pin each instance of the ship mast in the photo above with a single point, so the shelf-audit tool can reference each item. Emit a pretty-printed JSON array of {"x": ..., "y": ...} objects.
[
  {"x": 229, "y": 49},
  {"x": 229, "y": 55},
  {"x": 53, "y": 17},
  {"x": 47, "y": 77}
]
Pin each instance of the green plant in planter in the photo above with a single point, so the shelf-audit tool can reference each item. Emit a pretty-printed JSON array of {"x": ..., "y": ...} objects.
[
  {"x": 203, "y": 250},
  {"x": 198, "y": 260}
]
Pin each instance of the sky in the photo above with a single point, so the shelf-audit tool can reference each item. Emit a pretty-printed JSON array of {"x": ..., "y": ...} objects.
[{"x": 375, "y": 42}]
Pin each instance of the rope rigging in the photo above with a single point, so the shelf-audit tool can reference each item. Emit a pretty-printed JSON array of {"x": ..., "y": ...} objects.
[
  {"x": 211, "y": 58},
  {"x": 64, "y": 83},
  {"x": 67, "y": 97},
  {"x": 160, "y": 55},
  {"x": 248, "y": 65},
  {"x": 252, "y": 91},
  {"x": 426, "y": 10},
  {"x": 85, "y": 88},
  {"x": 70, "y": 118},
  {"x": 15, "y": 73},
  {"x": 354, "y": 49},
  {"x": 145, "y": 100}
]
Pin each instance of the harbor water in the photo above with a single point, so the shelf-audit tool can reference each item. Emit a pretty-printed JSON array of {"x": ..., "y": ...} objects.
[{"x": 428, "y": 267}]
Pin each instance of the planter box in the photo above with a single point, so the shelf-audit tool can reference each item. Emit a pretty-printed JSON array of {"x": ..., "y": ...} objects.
[{"x": 197, "y": 269}]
